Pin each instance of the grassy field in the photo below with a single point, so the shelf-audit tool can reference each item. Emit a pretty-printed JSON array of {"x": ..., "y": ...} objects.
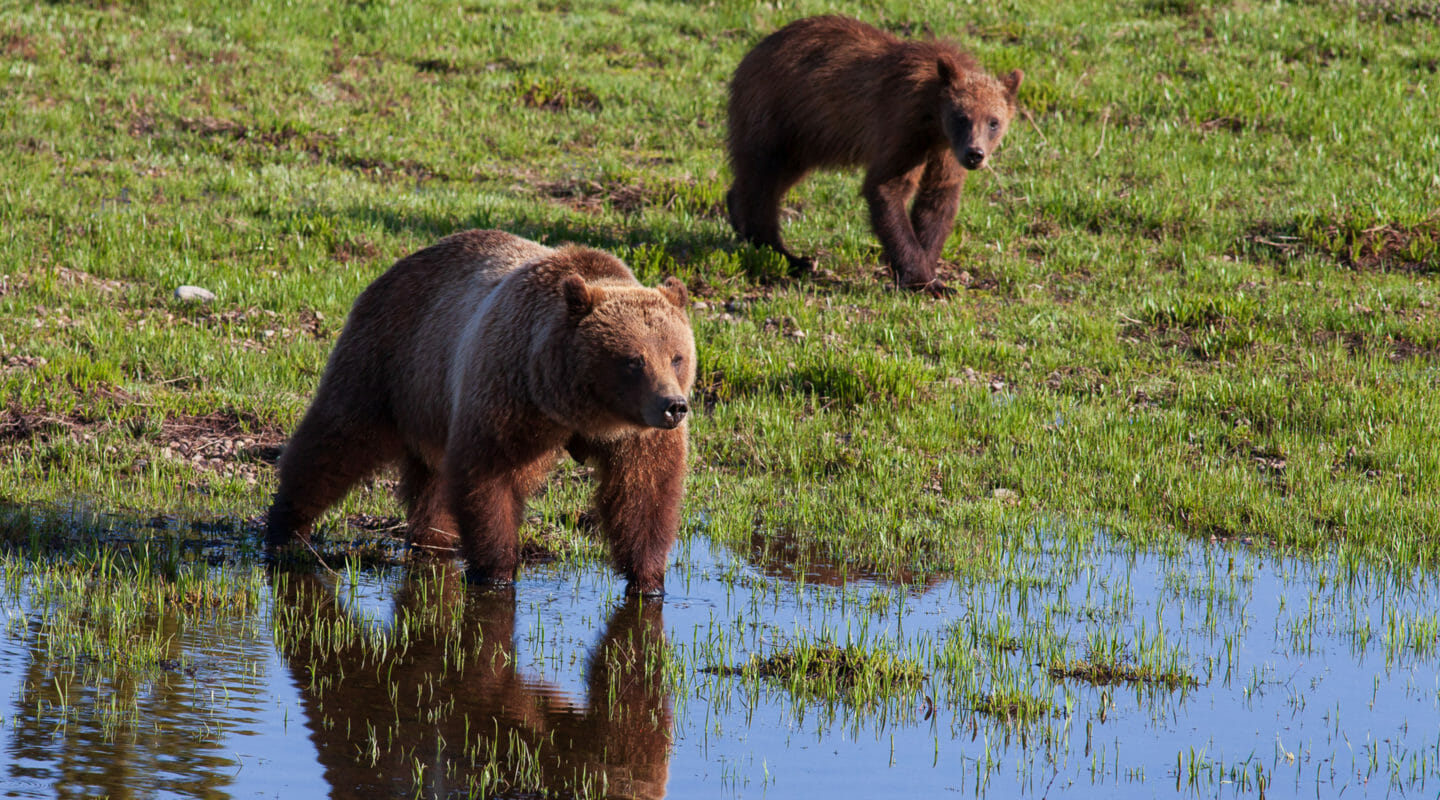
[
  {"x": 1199, "y": 282},
  {"x": 1198, "y": 306}
]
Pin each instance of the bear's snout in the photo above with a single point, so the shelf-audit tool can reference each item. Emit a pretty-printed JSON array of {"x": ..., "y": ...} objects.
[
  {"x": 973, "y": 158},
  {"x": 670, "y": 411}
]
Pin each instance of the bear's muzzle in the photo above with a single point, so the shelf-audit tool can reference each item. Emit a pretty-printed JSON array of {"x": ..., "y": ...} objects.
[{"x": 668, "y": 412}]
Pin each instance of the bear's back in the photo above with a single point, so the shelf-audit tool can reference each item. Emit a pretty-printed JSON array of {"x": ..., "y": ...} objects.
[{"x": 405, "y": 327}]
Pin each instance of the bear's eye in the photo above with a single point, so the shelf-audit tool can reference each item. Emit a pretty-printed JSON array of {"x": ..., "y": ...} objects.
[
  {"x": 994, "y": 125},
  {"x": 677, "y": 360},
  {"x": 635, "y": 365}
]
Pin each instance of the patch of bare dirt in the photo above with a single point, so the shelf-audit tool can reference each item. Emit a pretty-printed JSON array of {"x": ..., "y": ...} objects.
[
  {"x": 358, "y": 248},
  {"x": 909, "y": 29},
  {"x": 378, "y": 167},
  {"x": 256, "y": 325},
  {"x": 951, "y": 273},
  {"x": 212, "y": 126},
  {"x": 317, "y": 145},
  {"x": 141, "y": 124},
  {"x": 19, "y": 45},
  {"x": 1384, "y": 247},
  {"x": 1358, "y": 343},
  {"x": 229, "y": 442},
  {"x": 12, "y": 283},
  {"x": 285, "y": 135},
  {"x": 560, "y": 98},
  {"x": 18, "y": 425},
  {"x": 1044, "y": 227},
  {"x": 1395, "y": 12},
  {"x": 15, "y": 362},
  {"x": 969, "y": 376},
  {"x": 66, "y": 276},
  {"x": 592, "y": 196},
  {"x": 1225, "y": 123},
  {"x": 438, "y": 66}
]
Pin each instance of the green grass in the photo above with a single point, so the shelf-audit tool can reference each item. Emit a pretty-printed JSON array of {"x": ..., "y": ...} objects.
[
  {"x": 822, "y": 671},
  {"x": 1200, "y": 279}
]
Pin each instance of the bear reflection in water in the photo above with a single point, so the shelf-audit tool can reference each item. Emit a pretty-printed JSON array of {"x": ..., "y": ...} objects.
[{"x": 453, "y": 697}]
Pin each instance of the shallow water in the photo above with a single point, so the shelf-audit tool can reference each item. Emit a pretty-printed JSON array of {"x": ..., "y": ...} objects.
[{"x": 1307, "y": 683}]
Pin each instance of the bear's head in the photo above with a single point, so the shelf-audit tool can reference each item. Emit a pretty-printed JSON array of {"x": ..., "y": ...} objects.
[
  {"x": 975, "y": 110},
  {"x": 636, "y": 348}
]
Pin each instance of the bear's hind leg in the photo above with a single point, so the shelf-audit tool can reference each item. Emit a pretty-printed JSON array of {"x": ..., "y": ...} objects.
[
  {"x": 754, "y": 204},
  {"x": 642, "y": 483},
  {"x": 322, "y": 461},
  {"x": 427, "y": 507}
]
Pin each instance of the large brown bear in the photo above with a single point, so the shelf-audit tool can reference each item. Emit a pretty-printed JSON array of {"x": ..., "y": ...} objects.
[
  {"x": 474, "y": 363},
  {"x": 831, "y": 91}
]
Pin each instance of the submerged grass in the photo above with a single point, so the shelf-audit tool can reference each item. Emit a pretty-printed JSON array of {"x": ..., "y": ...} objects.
[
  {"x": 1108, "y": 673},
  {"x": 823, "y": 670},
  {"x": 1014, "y": 706}
]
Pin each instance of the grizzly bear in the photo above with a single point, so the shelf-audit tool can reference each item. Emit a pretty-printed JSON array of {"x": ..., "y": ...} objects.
[
  {"x": 472, "y": 364},
  {"x": 832, "y": 91}
]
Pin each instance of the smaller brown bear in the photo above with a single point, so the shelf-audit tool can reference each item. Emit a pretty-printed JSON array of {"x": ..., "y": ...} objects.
[
  {"x": 473, "y": 363},
  {"x": 832, "y": 91}
]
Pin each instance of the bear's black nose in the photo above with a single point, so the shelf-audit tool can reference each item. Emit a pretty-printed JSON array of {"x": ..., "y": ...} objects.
[
  {"x": 974, "y": 157},
  {"x": 676, "y": 410}
]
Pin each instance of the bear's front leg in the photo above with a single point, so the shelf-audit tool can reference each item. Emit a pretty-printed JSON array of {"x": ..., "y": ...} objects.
[
  {"x": 642, "y": 482},
  {"x": 488, "y": 511},
  {"x": 887, "y": 193},
  {"x": 933, "y": 212},
  {"x": 488, "y": 491}
]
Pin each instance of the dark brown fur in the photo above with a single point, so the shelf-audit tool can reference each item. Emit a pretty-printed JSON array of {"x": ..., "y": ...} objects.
[
  {"x": 473, "y": 364},
  {"x": 831, "y": 91}
]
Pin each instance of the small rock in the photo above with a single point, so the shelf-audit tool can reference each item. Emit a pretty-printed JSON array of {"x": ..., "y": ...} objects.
[
  {"x": 194, "y": 294},
  {"x": 1005, "y": 495}
]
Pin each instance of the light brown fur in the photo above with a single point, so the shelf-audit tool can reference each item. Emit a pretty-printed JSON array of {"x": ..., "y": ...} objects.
[
  {"x": 473, "y": 363},
  {"x": 831, "y": 91}
]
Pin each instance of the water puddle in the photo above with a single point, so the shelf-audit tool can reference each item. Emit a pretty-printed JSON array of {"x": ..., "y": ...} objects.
[{"x": 1290, "y": 678}]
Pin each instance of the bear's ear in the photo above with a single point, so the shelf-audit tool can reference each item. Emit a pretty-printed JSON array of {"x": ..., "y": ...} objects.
[
  {"x": 580, "y": 298},
  {"x": 1012, "y": 81},
  {"x": 674, "y": 290},
  {"x": 946, "y": 70}
]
